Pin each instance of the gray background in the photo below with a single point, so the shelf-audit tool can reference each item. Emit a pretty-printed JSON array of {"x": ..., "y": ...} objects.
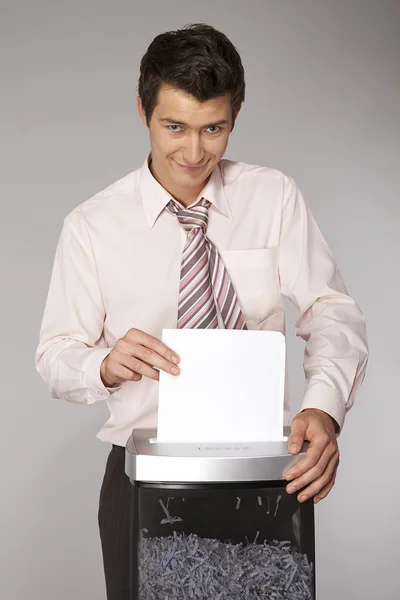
[{"x": 322, "y": 105}]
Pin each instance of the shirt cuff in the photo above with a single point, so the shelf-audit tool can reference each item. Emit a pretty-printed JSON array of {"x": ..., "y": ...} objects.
[
  {"x": 322, "y": 396},
  {"x": 96, "y": 388}
]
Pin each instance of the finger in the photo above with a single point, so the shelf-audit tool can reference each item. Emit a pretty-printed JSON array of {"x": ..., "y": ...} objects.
[
  {"x": 327, "y": 488},
  {"x": 123, "y": 373},
  {"x": 138, "y": 366},
  {"x": 317, "y": 446},
  {"x": 152, "y": 358},
  {"x": 303, "y": 478},
  {"x": 313, "y": 481},
  {"x": 132, "y": 375},
  {"x": 319, "y": 483},
  {"x": 297, "y": 435},
  {"x": 149, "y": 341}
]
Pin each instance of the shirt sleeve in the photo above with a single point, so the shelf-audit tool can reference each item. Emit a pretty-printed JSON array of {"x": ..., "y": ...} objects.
[
  {"x": 331, "y": 323},
  {"x": 71, "y": 342}
]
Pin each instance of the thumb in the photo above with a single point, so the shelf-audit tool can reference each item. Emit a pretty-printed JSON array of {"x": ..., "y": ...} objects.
[{"x": 297, "y": 435}]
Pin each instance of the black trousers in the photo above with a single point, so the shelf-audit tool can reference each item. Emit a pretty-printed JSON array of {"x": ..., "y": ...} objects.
[{"x": 114, "y": 520}]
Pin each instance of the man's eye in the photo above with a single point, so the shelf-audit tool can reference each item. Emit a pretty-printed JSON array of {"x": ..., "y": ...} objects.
[{"x": 177, "y": 128}]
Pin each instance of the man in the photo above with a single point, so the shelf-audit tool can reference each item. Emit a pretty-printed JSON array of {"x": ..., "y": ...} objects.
[{"x": 246, "y": 238}]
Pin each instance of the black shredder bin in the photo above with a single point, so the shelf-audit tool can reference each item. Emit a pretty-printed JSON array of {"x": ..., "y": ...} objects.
[{"x": 215, "y": 521}]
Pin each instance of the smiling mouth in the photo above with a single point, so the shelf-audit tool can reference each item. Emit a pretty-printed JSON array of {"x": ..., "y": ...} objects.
[{"x": 191, "y": 168}]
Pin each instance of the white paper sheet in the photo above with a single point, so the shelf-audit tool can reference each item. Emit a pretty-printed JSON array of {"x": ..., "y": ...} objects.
[{"x": 230, "y": 389}]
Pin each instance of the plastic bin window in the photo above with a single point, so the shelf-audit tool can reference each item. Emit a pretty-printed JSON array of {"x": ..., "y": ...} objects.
[{"x": 224, "y": 544}]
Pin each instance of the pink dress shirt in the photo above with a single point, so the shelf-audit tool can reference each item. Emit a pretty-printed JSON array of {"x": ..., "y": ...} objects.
[{"x": 117, "y": 266}]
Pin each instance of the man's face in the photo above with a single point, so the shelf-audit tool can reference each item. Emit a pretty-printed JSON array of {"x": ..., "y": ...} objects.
[{"x": 188, "y": 138}]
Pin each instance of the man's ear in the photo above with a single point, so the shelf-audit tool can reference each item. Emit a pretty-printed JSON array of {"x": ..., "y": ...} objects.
[{"x": 142, "y": 114}]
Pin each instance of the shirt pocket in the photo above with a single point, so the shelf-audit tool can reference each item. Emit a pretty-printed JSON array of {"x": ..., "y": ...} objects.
[{"x": 254, "y": 274}]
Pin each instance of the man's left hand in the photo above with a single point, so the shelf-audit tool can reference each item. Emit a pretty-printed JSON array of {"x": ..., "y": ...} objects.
[{"x": 317, "y": 470}]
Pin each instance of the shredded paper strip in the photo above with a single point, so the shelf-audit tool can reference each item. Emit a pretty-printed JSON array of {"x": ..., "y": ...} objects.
[{"x": 181, "y": 566}]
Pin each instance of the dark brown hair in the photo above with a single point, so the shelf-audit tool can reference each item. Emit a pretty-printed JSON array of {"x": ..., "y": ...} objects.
[{"x": 198, "y": 60}]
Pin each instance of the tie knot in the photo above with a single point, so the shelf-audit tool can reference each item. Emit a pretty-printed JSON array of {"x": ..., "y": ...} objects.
[{"x": 195, "y": 217}]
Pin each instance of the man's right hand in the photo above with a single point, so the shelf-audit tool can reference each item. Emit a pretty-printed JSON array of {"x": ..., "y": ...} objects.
[{"x": 135, "y": 355}]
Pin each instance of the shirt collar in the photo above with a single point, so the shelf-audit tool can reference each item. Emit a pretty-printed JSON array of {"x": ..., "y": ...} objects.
[{"x": 155, "y": 197}]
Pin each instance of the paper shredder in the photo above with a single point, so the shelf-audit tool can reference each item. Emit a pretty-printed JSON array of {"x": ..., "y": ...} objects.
[{"x": 214, "y": 520}]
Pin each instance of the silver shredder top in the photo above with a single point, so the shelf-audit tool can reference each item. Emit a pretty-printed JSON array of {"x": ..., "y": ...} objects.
[{"x": 149, "y": 461}]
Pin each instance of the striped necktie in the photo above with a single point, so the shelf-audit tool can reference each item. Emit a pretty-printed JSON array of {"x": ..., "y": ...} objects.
[{"x": 204, "y": 280}]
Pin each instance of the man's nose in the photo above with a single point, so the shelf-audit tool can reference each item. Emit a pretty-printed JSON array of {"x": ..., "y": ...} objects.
[{"x": 193, "y": 152}]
